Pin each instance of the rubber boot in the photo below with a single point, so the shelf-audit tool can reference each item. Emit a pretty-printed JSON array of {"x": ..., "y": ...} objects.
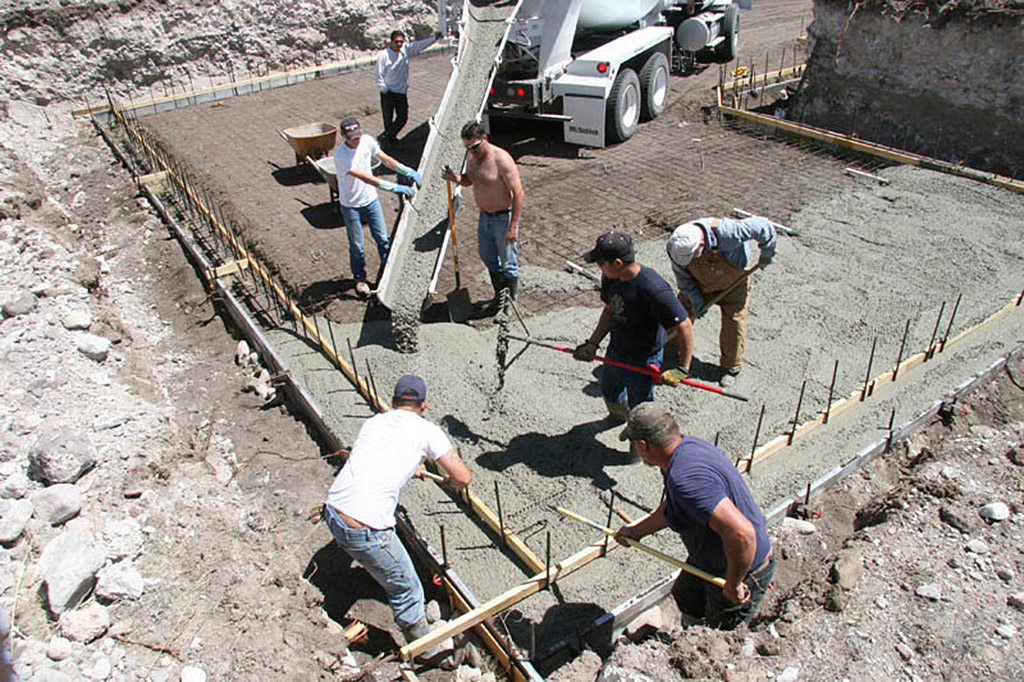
[
  {"x": 436, "y": 654},
  {"x": 618, "y": 413},
  {"x": 512, "y": 283},
  {"x": 498, "y": 282}
]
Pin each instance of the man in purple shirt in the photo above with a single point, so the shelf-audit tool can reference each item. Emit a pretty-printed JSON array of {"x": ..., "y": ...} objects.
[{"x": 709, "y": 504}]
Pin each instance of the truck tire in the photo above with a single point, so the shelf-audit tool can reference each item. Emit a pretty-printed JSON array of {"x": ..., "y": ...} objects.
[
  {"x": 727, "y": 50},
  {"x": 623, "y": 107},
  {"x": 654, "y": 86}
]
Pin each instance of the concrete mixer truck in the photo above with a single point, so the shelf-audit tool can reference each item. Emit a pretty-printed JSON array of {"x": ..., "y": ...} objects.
[{"x": 602, "y": 66}]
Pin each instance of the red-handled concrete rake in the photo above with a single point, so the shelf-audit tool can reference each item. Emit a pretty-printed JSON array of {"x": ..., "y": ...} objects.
[{"x": 651, "y": 370}]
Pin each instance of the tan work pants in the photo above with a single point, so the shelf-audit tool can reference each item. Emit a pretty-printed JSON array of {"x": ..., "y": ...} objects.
[{"x": 715, "y": 274}]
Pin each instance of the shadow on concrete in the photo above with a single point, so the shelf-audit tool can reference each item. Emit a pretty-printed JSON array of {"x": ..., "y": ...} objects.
[
  {"x": 531, "y": 138},
  {"x": 342, "y": 583},
  {"x": 574, "y": 453},
  {"x": 408, "y": 149},
  {"x": 291, "y": 176},
  {"x": 325, "y": 216}
]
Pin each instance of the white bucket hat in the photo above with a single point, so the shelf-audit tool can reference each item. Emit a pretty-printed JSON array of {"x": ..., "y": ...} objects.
[{"x": 684, "y": 242}]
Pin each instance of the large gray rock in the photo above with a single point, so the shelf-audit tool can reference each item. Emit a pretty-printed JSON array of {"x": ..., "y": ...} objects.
[
  {"x": 57, "y": 504},
  {"x": 15, "y": 486},
  {"x": 85, "y": 624},
  {"x": 616, "y": 673},
  {"x": 77, "y": 319},
  {"x": 119, "y": 581},
  {"x": 994, "y": 511},
  {"x": 68, "y": 567},
  {"x": 14, "y": 514},
  {"x": 21, "y": 303},
  {"x": 59, "y": 648},
  {"x": 61, "y": 455},
  {"x": 847, "y": 569},
  {"x": 94, "y": 347}
]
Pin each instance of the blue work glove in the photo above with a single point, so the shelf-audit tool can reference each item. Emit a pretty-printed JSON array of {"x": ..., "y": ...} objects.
[
  {"x": 397, "y": 189},
  {"x": 410, "y": 173}
]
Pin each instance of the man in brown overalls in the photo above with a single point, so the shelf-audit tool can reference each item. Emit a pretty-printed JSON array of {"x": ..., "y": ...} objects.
[{"x": 709, "y": 256}]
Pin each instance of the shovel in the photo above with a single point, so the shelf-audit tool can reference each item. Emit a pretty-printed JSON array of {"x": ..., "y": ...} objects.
[{"x": 459, "y": 305}]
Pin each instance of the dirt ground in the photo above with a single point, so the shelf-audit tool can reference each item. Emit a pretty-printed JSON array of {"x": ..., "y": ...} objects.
[{"x": 227, "y": 481}]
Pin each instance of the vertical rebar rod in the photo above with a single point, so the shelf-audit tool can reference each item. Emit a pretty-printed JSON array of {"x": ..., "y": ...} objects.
[
  {"x": 888, "y": 440},
  {"x": 831, "y": 391},
  {"x": 334, "y": 346},
  {"x": 757, "y": 434},
  {"x": 796, "y": 417},
  {"x": 444, "y": 549},
  {"x": 533, "y": 640},
  {"x": 608, "y": 523},
  {"x": 899, "y": 356},
  {"x": 352, "y": 357},
  {"x": 501, "y": 522},
  {"x": 372, "y": 385},
  {"x": 547, "y": 562},
  {"x": 867, "y": 375},
  {"x": 1019, "y": 299},
  {"x": 807, "y": 495},
  {"x": 717, "y": 435},
  {"x": 316, "y": 326},
  {"x": 949, "y": 327},
  {"x": 930, "y": 352}
]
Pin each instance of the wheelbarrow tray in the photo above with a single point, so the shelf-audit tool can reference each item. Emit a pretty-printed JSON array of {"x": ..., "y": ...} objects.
[
  {"x": 325, "y": 167},
  {"x": 314, "y": 140}
]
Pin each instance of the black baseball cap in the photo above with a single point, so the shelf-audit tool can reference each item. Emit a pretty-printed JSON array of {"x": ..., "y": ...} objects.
[
  {"x": 350, "y": 128},
  {"x": 611, "y": 245}
]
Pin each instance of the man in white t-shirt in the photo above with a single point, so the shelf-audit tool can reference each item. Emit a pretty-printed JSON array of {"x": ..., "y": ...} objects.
[
  {"x": 390, "y": 450},
  {"x": 357, "y": 195},
  {"x": 393, "y": 81}
]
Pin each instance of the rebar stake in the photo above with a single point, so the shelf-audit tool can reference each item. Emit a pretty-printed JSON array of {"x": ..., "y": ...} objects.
[
  {"x": 831, "y": 389},
  {"x": 1020, "y": 298},
  {"x": 608, "y": 523},
  {"x": 717, "y": 434},
  {"x": 899, "y": 357},
  {"x": 952, "y": 316},
  {"x": 444, "y": 549},
  {"x": 533, "y": 640},
  {"x": 547, "y": 562},
  {"x": 928, "y": 354},
  {"x": 334, "y": 346},
  {"x": 796, "y": 417},
  {"x": 865, "y": 392},
  {"x": 888, "y": 441},
  {"x": 757, "y": 434},
  {"x": 372, "y": 385},
  {"x": 352, "y": 357},
  {"x": 807, "y": 495},
  {"x": 501, "y": 523}
]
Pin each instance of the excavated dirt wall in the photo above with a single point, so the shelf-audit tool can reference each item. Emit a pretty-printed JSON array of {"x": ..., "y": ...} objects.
[{"x": 939, "y": 83}]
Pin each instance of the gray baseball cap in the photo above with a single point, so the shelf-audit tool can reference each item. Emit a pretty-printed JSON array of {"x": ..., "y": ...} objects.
[{"x": 646, "y": 421}]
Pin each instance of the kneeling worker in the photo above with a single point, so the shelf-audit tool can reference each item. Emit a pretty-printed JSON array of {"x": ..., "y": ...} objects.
[
  {"x": 388, "y": 451},
  {"x": 709, "y": 256},
  {"x": 708, "y": 503}
]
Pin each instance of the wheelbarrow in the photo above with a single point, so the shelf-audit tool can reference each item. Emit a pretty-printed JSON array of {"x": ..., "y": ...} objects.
[
  {"x": 325, "y": 167},
  {"x": 312, "y": 140}
]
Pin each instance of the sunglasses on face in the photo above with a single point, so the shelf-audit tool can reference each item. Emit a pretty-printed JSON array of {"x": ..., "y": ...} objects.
[{"x": 473, "y": 145}]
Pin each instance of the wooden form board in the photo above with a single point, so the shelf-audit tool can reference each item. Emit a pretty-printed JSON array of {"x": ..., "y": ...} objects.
[{"x": 508, "y": 598}]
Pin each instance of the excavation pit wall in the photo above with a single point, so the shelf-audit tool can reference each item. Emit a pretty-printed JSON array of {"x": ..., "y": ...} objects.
[
  {"x": 940, "y": 81},
  {"x": 867, "y": 260}
]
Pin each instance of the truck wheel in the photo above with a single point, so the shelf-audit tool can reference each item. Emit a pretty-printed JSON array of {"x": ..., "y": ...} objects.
[
  {"x": 729, "y": 48},
  {"x": 623, "y": 108},
  {"x": 654, "y": 86}
]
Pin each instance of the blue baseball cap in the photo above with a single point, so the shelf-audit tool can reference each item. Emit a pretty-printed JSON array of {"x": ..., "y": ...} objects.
[{"x": 410, "y": 387}]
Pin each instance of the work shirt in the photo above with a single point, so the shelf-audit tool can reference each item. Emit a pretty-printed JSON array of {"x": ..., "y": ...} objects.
[
  {"x": 731, "y": 238},
  {"x": 642, "y": 309},
  {"x": 697, "y": 479},
  {"x": 388, "y": 450},
  {"x": 353, "y": 192},
  {"x": 393, "y": 67}
]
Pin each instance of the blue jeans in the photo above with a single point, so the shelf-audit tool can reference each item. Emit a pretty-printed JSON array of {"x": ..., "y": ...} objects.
[
  {"x": 618, "y": 383},
  {"x": 494, "y": 252},
  {"x": 354, "y": 217},
  {"x": 384, "y": 557}
]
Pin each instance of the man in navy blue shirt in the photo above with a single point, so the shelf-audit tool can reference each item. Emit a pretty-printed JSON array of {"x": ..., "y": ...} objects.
[
  {"x": 709, "y": 504},
  {"x": 639, "y": 307}
]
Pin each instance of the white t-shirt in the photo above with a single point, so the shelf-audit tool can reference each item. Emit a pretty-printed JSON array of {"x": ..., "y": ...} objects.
[
  {"x": 387, "y": 451},
  {"x": 353, "y": 192}
]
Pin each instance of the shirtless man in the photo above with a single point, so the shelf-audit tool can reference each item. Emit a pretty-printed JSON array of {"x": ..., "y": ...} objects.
[{"x": 492, "y": 173}]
